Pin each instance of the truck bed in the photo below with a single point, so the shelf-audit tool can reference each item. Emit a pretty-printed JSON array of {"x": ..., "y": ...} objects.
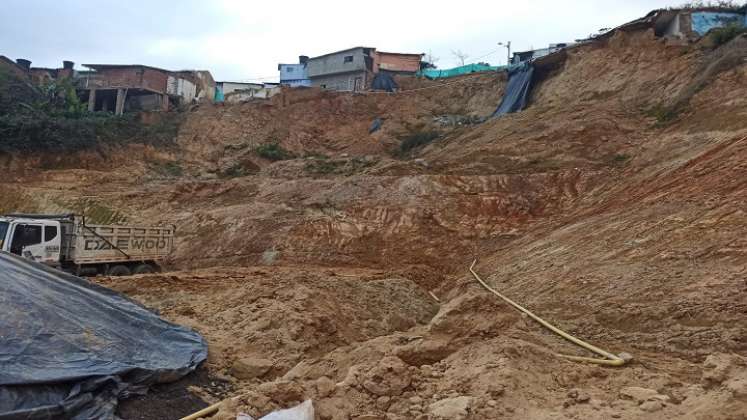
[{"x": 91, "y": 244}]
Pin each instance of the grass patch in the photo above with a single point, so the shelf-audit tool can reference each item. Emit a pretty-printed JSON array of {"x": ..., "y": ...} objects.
[
  {"x": 316, "y": 155},
  {"x": 273, "y": 152},
  {"x": 337, "y": 167},
  {"x": 51, "y": 118},
  {"x": 168, "y": 169},
  {"x": 721, "y": 36},
  {"x": 324, "y": 167},
  {"x": 729, "y": 5},
  {"x": 663, "y": 114},
  {"x": 234, "y": 171},
  {"x": 620, "y": 158}
]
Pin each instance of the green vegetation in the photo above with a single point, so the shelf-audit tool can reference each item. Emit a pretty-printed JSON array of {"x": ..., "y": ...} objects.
[
  {"x": 52, "y": 118},
  {"x": 663, "y": 114},
  {"x": 168, "y": 169},
  {"x": 316, "y": 155},
  {"x": 721, "y": 36},
  {"x": 339, "y": 167},
  {"x": 324, "y": 167},
  {"x": 620, "y": 158},
  {"x": 273, "y": 152},
  {"x": 234, "y": 171},
  {"x": 718, "y": 4}
]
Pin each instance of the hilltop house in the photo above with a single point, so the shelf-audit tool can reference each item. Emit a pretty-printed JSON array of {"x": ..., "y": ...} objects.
[
  {"x": 687, "y": 24},
  {"x": 354, "y": 69},
  {"x": 119, "y": 88},
  {"x": 347, "y": 70},
  {"x": 522, "y": 56},
  {"x": 295, "y": 75},
  {"x": 397, "y": 63},
  {"x": 234, "y": 92}
]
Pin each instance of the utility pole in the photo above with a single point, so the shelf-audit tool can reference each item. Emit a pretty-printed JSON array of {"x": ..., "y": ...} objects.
[{"x": 508, "y": 48}]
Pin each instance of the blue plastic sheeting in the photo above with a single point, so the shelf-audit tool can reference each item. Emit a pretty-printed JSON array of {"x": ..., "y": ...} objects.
[
  {"x": 384, "y": 81},
  {"x": 69, "y": 349},
  {"x": 517, "y": 90},
  {"x": 458, "y": 71},
  {"x": 705, "y": 21}
]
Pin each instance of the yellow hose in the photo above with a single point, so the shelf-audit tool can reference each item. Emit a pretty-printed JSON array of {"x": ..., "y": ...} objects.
[
  {"x": 609, "y": 358},
  {"x": 207, "y": 411}
]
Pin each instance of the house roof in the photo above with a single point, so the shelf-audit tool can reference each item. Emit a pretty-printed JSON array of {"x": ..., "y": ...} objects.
[
  {"x": 242, "y": 83},
  {"x": 342, "y": 51},
  {"x": 118, "y": 66},
  {"x": 9, "y": 61},
  {"x": 280, "y": 65},
  {"x": 394, "y": 53},
  {"x": 717, "y": 9}
]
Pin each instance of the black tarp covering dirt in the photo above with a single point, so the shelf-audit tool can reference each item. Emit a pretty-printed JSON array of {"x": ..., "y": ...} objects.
[
  {"x": 71, "y": 349},
  {"x": 517, "y": 90},
  {"x": 384, "y": 81}
]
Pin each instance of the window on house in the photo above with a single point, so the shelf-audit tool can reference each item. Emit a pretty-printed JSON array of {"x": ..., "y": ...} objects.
[
  {"x": 323, "y": 86},
  {"x": 348, "y": 58},
  {"x": 289, "y": 69}
]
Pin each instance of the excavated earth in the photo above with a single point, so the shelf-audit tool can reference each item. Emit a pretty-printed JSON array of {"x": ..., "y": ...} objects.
[{"x": 614, "y": 207}]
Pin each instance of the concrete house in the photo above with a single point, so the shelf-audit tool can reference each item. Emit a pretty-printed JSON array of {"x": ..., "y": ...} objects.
[
  {"x": 346, "y": 70},
  {"x": 295, "y": 75},
  {"x": 235, "y": 92},
  {"x": 203, "y": 82},
  {"x": 354, "y": 69},
  {"x": 687, "y": 24},
  {"x": 522, "y": 56}
]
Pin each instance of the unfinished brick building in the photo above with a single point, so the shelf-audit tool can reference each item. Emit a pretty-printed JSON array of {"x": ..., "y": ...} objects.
[{"x": 114, "y": 87}]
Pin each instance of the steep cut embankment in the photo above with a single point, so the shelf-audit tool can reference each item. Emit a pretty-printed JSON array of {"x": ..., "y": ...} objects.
[{"x": 613, "y": 206}]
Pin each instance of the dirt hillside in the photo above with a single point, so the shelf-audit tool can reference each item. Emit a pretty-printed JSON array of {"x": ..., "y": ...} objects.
[{"x": 323, "y": 261}]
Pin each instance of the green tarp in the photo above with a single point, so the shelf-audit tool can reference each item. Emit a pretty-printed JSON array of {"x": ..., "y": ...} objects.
[{"x": 458, "y": 71}]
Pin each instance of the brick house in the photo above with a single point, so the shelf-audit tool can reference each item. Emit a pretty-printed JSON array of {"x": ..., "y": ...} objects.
[
  {"x": 110, "y": 87},
  {"x": 397, "y": 63}
]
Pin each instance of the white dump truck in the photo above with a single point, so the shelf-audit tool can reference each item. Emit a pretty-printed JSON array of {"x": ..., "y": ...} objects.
[{"x": 66, "y": 242}]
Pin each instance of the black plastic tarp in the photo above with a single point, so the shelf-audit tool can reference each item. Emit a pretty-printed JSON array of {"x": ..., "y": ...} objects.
[
  {"x": 517, "y": 90},
  {"x": 70, "y": 348},
  {"x": 384, "y": 81}
]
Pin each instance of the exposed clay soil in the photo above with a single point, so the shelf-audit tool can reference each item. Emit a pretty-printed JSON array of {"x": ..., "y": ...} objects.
[{"x": 340, "y": 275}]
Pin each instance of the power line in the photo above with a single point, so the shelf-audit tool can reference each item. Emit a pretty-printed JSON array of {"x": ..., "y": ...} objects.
[
  {"x": 250, "y": 79},
  {"x": 490, "y": 53}
]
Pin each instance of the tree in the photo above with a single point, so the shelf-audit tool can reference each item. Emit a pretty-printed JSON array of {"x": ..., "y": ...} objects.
[
  {"x": 460, "y": 56},
  {"x": 430, "y": 60}
]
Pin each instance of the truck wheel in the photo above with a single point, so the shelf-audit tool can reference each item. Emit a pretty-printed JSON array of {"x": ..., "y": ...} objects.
[
  {"x": 144, "y": 269},
  {"x": 119, "y": 270}
]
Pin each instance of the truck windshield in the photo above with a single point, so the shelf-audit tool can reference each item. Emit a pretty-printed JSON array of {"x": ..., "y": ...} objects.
[{"x": 3, "y": 231}]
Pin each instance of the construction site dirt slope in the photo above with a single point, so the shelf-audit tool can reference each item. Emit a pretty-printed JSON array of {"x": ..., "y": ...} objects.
[{"x": 613, "y": 206}]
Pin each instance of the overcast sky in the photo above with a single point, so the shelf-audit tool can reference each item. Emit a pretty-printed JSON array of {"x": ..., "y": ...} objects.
[{"x": 244, "y": 40}]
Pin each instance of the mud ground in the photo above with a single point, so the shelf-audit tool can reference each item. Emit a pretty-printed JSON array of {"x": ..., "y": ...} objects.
[{"x": 340, "y": 274}]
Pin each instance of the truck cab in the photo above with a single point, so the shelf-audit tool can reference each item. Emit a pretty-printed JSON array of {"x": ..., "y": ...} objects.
[{"x": 36, "y": 239}]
